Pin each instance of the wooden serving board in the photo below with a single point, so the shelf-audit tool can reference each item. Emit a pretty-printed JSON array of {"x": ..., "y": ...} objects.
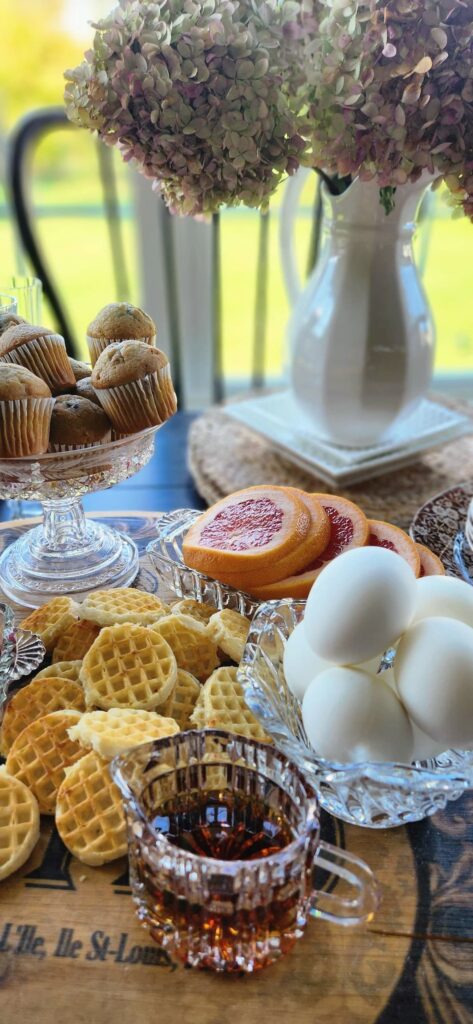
[{"x": 72, "y": 949}]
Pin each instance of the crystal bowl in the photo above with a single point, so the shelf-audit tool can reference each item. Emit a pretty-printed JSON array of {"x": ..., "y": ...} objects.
[
  {"x": 21, "y": 652},
  {"x": 367, "y": 794},
  {"x": 166, "y": 556},
  {"x": 67, "y": 553}
]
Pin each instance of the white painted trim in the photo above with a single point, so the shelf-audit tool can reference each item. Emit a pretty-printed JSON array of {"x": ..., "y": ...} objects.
[
  {"x": 193, "y": 246},
  {"x": 151, "y": 255}
]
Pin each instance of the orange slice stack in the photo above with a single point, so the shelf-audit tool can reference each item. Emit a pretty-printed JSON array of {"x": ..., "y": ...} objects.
[
  {"x": 272, "y": 542},
  {"x": 256, "y": 535},
  {"x": 348, "y": 529}
]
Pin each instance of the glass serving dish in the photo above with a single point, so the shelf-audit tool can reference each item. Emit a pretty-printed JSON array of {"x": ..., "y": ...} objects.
[
  {"x": 67, "y": 553},
  {"x": 8, "y": 649},
  {"x": 367, "y": 794},
  {"x": 166, "y": 556},
  {"x": 21, "y": 652}
]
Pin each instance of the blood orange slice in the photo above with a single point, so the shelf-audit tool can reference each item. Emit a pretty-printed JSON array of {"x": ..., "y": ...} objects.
[
  {"x": 248, "y": 530},
  {"x": 385, "y": 535},
  {"x": 430, "y": 564},
  {"x": 316, "y": 541},
  {"x": 348, "y": 529}
]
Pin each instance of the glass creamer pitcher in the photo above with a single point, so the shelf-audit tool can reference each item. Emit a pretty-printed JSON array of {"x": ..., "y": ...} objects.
[{"x": 224, "y": 839}]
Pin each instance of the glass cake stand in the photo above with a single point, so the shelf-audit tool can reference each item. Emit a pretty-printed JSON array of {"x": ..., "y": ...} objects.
[{"x": 67, "y": 553}]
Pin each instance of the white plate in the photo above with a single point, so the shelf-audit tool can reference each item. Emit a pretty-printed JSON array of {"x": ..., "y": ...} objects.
[{"x": 278, "y": 419}]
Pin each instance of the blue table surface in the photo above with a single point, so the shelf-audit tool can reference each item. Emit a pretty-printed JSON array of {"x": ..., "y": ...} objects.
[{"x": 163, "y": 485}]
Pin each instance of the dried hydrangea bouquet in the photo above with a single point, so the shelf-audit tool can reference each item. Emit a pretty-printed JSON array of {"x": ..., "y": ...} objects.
[
  {"x": 217, "y": 102},
  {"x": 193, "y": 94}
]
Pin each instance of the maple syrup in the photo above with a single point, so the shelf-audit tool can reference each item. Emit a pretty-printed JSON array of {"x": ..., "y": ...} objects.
[
  {"x": 230, "y": 911},
  {"x": 226, "y": 826}
]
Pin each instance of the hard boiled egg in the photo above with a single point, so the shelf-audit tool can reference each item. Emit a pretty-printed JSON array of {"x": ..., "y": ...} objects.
[
  {"x": 359, "y": 605},
  {"x": 351, "y": 716},
  {"x": 301, "y": 663},
  {"x": 434, "y": 677},
  {"x": 444, "y": 596}
]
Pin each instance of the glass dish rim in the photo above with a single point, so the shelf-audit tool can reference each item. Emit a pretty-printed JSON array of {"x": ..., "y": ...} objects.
[
  {"x": 119, "y": 442},
  {"x": 228, "y": 866},
  {"x": 154, "y": 550},
  {"x": 324, "y": 769}
]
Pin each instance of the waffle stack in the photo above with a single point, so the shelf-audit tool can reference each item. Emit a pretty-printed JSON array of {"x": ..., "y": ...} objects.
[{"x": 124, "y": 669}]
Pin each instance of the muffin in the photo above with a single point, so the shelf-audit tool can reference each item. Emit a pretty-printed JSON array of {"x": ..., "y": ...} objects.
[
  {"x": 77, "y": 423},
  {"x": 134, "y": 386},
  {"x": 41, "y": 351},
  {"x": 80, "y": 369},
  {"x": 26, "y": 405},
  {"x": 119, "y": 321},
  {"x": 9, "y": 320},
  {"x": 85, "y": 390}
]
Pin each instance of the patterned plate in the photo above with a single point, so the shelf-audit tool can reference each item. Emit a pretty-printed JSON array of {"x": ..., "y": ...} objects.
[{"x": 440, "y": 524}]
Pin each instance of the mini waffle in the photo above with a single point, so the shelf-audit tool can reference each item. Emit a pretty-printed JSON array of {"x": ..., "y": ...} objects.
[
  {"x": 19, "y": 823},
  {"x": 64, "y": 669},
  {"x": 40, "y": 754},
  {"x": 89, "y": 813},
  {"x": 223, "y": 706},
  {"x": 229, "y": 629},
  {"x": 112, "y": 607},
  {"x": 75, "y": 641},
  {"x": 116, "y": 731},
  {"x": 195, "y": 651},
  {"x": 184, "y": 700},
  {"x": 49, "y": 621},
  {"x": 39, "y": 698},
  {"x": 197, "y": 718},
  {"x": 128, "y": 666},
  {"x": 196, "y": 610}
]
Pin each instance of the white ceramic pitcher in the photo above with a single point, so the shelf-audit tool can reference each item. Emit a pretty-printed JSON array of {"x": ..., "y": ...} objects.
[{"x": 361, "y": 332}]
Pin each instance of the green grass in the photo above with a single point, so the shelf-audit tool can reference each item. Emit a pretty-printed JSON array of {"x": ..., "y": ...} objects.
[{"x": 78, "y": 253}]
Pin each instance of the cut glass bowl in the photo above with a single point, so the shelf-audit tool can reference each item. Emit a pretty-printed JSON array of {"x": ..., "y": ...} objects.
[
  {"x": 21, "y": 652},
  {"x": 165, "y": 554},
  {"x": 368, "y": 794},
  {"x": 67, "y": 553}
]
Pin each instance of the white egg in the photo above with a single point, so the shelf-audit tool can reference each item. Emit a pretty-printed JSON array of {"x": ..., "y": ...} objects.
[
  {"x": 425, "y": 746},
  {"x": 301, "y": 663},
  {"x": 444, "y": 596},
  {"x": 434, "y": 677},
  {"x": 359, "y": 605},
  {"x": 351, "y": 716}
]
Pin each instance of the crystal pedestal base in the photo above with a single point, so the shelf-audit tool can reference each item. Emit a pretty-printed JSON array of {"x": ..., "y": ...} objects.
[
  {"x": 32, "y": 570},
  {"x": 69, "y": 554}
]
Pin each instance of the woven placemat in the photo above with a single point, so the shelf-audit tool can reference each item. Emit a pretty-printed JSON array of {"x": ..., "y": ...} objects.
[{"x": 225, "y": 456}]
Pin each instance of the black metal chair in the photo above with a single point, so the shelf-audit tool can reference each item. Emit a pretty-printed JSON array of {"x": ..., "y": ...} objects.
[{"x": 20, "y": 157}]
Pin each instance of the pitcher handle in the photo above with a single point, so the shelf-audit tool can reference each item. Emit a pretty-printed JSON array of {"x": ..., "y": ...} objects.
[
  {"x": 290, "y": 203},
  {"x": 346, "y": 910}
]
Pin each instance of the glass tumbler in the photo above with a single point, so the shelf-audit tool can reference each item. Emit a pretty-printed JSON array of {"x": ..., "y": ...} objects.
[
  {"x": 8, "y": 304},
  {"x": 27, "y": 292},
  {"x": 223, "y": 913}
]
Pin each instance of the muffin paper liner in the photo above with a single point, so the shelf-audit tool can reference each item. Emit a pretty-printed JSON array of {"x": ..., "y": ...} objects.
[
  {"x": 97, "y": 345},
  {"x": 77, "y": 447},
  {"x": 47, "y": 358},
  {"x": 140, "y": 404},
  {"x": 24, "y": 427}
]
